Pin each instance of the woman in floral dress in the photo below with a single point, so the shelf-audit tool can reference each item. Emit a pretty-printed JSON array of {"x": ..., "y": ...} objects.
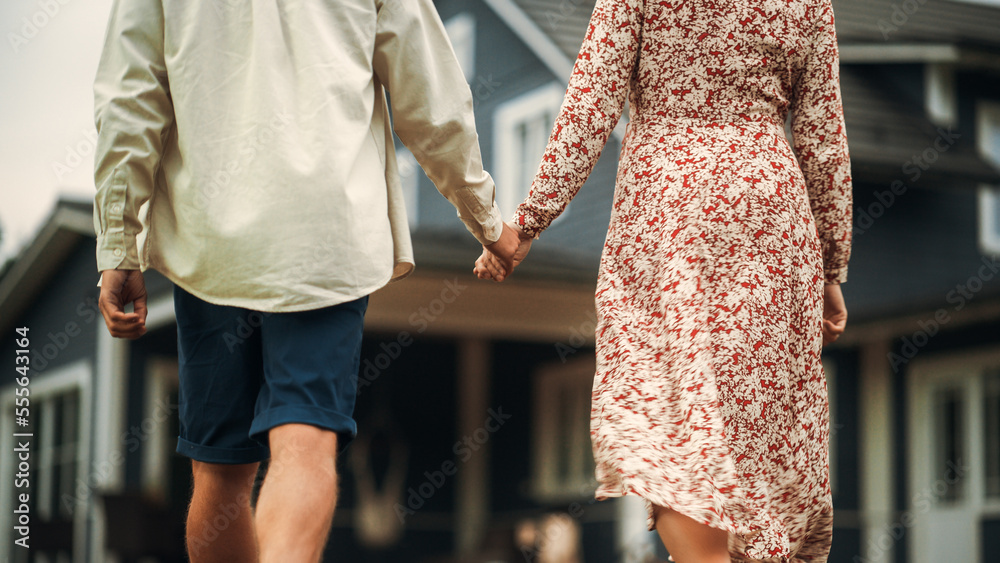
[{"x": 719, "y": 280}]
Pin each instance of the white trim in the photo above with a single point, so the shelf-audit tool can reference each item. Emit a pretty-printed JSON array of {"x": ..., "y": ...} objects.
[
  {"x": 75, "y": 375},
  {"x": 987, "y": 202},
  {"x": 940, "y": 94},
  {"x": 409, "y": 180},
  {"x": 160, "y": 312},
  {"x": 461, "y": 29},
  {"x": 513, "y": 167},
  {"x": 875, "y": 452},
  {"x": 161, "y": 379},
  {"x": 963, "y": 371},
  {"x": 110, "y": 392},
  {"x": 988, "y": 197},
  {"x": 899, "y": 53}
]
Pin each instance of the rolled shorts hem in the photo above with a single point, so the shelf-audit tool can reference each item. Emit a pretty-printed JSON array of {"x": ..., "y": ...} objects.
[
  {"x": 345, "y": 426},
  {"x": 212, "y": 454}
]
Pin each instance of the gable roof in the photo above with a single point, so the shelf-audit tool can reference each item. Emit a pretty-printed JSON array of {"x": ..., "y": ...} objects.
[
  {"x": 884, "y": 130},
  {"x": 70, "y": 221},
  {"x": 960, "y": 22}
]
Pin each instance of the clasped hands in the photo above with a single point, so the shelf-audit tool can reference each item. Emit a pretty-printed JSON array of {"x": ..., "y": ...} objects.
[{"x": 500, "y": 258}]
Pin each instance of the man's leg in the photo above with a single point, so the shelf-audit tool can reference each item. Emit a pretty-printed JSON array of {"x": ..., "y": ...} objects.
[
  {"x": 295, "y": 507},
  {"x": 220, "y": 524}
]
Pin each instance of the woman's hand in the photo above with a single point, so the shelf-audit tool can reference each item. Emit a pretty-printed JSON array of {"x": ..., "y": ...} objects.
[
  {"x": 489, "y": 267},
  {"x": 834, "y": 313}
]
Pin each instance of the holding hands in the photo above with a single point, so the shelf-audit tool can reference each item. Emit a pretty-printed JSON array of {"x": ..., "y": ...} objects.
[{"x": 500, "y": 258}]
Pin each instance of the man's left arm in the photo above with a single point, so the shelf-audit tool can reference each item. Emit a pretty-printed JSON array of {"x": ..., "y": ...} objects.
[{"x": 133, "y": 113}]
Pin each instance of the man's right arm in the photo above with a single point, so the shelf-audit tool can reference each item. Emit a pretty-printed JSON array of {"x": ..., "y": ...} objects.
[
  {"x": 432, "y": 110},
  {"x": 133, "y": 113}
]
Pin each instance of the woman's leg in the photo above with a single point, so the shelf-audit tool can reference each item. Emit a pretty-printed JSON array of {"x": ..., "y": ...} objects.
[{"x": 688, "y": 541}]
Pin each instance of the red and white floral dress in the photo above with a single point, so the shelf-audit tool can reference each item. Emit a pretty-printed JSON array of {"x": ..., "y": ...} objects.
[{"x": 709, "y": 396}]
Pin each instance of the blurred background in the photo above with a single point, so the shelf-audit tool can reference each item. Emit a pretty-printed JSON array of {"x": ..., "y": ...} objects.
[{"x": 474, "y": 397}]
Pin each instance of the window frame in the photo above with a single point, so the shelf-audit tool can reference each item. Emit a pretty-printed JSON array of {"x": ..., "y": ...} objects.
[
  {"x": 55, "y": 382},
  {"x": 549, "y": 381},
  {"x": 543, "y": 100},
  {"x": 988, "y": 196},
  {"x": 967, "y": 371}
]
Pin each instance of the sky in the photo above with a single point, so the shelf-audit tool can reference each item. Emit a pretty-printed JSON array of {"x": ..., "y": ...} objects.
[{"x": 48, "y": 60}]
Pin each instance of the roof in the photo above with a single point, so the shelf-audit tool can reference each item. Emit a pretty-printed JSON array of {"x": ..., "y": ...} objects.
[
  {"x": 962, "y": 22},
  {"x": 70, "y": 220},
  {"x": 883, "y": 129}
]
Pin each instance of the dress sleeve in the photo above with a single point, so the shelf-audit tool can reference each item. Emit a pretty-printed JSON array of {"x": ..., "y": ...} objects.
[
  {"x": 820, "y": 141},
  {"x": 595, "y": 98},
  {"x": 133, "y": 113}
]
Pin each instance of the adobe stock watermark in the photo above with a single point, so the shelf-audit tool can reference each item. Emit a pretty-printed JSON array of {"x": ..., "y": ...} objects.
[
  {"x": 463, "y": 449},
  {"x": 220, "y": 181},
  {"x": 226, "y": 514},
  {"x": 899, "y": 17},
  {"x": 372, "y": 368},
  {"x": 579, "y": 336},
  {"x": 914, "y": 169},
  {"x": 76, "y": 154},
  {"x": 565, "y": 9},
  {"x": 958, "y": 297},
  {"x": 32, "y": 25},
  {"x": 879, "y": 544}
]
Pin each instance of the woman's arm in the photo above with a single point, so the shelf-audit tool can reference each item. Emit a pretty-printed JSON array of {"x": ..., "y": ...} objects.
[
  {"x": 820, "y": 141},
  {"x": 593, "y": 104}
]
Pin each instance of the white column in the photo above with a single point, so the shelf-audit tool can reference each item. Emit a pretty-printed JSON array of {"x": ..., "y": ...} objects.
[
  {"x": 635, "y": 543},
  {"x": 472, "y": 481},
  {"x": 108, "y": 460},
  {"x": 876, "y": 445}
]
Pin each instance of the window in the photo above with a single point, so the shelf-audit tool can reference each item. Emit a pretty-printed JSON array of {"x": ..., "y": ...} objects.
[
  {"x": 953, "y": 456},
  {"x": 988, "y": 141},
  {"x": 409, "y": 176},
  {"x": 991, "y": 424},
  {"x": 939, "y": 94},
  {"x": 563, "y": 458},
  {"x": 948, "y": 423},
  {"x": 58, "y": 403},
  {"x": 521, "y": 131},
  {"x": 462, "y": 33}
]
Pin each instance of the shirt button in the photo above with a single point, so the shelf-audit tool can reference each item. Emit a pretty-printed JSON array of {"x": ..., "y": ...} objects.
[
  {"x": 118, "y": 252},
  {"x": 116, "y": 208}
]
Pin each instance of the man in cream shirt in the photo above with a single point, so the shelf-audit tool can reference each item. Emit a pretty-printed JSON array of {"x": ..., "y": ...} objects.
[{"x": 245, "y": 152}]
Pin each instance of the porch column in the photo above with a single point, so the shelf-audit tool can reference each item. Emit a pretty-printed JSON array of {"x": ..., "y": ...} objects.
[
  {"x": 472, "y": 481},
  {"x": 107, "y": 461},
  {"x": 876, "y": 439}
]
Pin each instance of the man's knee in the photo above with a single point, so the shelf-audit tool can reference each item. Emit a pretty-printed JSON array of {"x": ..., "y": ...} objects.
[
  {"x": 302, "y": 444},
  {"x": 237, "y": 476}
]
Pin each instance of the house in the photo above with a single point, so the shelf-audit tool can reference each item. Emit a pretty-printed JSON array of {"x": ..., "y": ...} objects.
[{"x": 473, "y": 405}]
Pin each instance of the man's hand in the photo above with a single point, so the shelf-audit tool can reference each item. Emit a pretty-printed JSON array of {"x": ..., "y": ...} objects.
[
  {"x": 834, "y": 313},
  {"x": 118, "y": 288},
  {"x": 489, "y": 267},
  {"x": 503, "y": 251}
]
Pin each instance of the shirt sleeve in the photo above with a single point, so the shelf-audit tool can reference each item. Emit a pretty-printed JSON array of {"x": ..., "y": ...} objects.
[
  {"x": 594, "y": 101},
  {"x": 432, "y": 110},
  {"x": 820, "y": 141},
  {"x": 133, "y": 113}
]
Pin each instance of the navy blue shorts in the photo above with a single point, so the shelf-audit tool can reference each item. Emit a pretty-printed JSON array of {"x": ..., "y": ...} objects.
[{"x": 243, "y": 372}]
